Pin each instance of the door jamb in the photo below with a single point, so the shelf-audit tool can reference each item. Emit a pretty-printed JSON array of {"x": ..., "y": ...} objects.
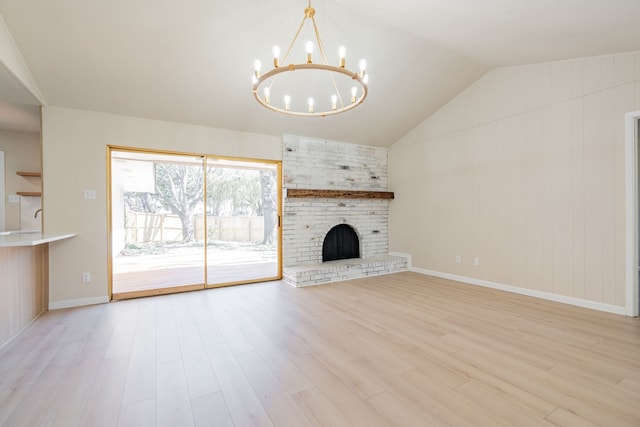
[{"x": 632, "y": 120}]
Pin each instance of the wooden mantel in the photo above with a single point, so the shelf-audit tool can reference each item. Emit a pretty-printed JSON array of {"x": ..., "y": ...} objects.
[{"x": 339, "y": 194}]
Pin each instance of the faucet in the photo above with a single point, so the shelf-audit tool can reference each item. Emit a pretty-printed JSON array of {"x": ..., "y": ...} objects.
[{"x": 36, "y": 214}]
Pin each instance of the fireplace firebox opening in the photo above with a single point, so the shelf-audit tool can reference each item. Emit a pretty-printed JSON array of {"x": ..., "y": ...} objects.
[{"x": 341, "y": 242}]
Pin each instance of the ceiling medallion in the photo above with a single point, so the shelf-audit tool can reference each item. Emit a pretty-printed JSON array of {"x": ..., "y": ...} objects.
[{"x": 266, "y": 86}]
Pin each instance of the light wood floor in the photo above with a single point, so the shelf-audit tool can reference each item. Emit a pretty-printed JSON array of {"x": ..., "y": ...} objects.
[{"x": 403, "y": 349}]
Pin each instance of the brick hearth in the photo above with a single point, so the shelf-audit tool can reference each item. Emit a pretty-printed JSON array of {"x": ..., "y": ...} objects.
[{"x": 345, "y": 269}]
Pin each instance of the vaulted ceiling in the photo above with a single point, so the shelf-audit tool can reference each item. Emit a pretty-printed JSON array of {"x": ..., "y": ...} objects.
[{"x": 190, "y": 61}]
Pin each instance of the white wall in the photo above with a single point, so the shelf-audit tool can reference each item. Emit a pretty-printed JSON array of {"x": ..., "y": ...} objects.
[
  {"x": 74, "y": 145},
  {"x": 525, "y": 170}
]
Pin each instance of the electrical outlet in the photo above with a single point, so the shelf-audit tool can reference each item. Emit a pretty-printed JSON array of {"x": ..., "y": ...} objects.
[
  {"x": 14, "y": 198},
  {"x": 89, "y": 194},
  {"x": 458, "y": 259},
  {"x": 476, "y": 261},
  {"x": 86, "y": 277}
]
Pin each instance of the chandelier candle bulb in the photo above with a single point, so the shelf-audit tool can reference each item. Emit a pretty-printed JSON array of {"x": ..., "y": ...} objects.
[
  {"x": 267, "y": 95},
  {"x": 334, "y": 101},
  {"x": 287, "y": 102},
  {"x": 354, "y": 92},
  {"x": 276, "y": 56},
  {"x": 309, "y": 47},
  {"x": 363, "y": 67},
  {"x": 257, "y": 65},
  {"x": 311, "y": 105},
  {"x": 342, "y": 53}
]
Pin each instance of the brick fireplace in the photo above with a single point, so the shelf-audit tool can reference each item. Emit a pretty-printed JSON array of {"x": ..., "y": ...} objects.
[{"x": 328, "y": 184}]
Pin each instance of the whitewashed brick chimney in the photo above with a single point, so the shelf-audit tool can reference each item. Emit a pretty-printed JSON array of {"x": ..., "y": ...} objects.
[{"x": 311, "y": 163}]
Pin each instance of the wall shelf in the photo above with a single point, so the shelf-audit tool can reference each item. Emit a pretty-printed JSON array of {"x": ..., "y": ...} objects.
[{"x": 29, "y": 175}]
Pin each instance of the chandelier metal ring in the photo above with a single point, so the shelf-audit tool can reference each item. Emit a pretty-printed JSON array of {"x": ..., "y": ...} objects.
[{"x": 267, "y": 77}]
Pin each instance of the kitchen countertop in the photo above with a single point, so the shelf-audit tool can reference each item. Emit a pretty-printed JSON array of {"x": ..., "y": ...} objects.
[{"x": 17, "y": 238}]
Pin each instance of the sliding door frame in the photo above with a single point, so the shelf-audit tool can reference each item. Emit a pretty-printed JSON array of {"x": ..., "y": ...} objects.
[{"x": 205, "y": 158}]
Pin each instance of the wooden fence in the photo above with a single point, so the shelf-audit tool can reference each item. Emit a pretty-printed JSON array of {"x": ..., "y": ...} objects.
[{"x": 143, "y": 227}]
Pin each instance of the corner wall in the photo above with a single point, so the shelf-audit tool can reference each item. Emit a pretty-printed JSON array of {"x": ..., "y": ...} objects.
[
  {"x": 74, "y": 145},
  {"x": 525, "y": 171},
  {"x": 11, "y": 59}
]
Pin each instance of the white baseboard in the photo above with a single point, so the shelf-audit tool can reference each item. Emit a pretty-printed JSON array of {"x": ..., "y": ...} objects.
[
  {"x": 609, "y": 308},
  {"x": 56, "y": 305},
  {"x": 3, "y": 345}
]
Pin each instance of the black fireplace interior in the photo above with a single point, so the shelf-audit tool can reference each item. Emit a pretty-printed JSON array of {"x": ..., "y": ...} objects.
[{"x": 341, "y": 242}]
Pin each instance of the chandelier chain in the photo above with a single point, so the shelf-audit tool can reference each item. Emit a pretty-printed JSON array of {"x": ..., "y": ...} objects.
[
  {"x": 286, "y": 55},
  {"x": 324, "y": 57}
]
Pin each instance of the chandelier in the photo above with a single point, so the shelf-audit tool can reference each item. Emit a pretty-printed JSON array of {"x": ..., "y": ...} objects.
[{"x": 336, "y": 88}]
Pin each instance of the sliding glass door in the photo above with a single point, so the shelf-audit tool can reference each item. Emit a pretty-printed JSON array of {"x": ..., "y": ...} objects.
[
  {"x": 183, "y": 222},
  {"x": 242, "y": 221},
  {"x": 154, "y": 200}
]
